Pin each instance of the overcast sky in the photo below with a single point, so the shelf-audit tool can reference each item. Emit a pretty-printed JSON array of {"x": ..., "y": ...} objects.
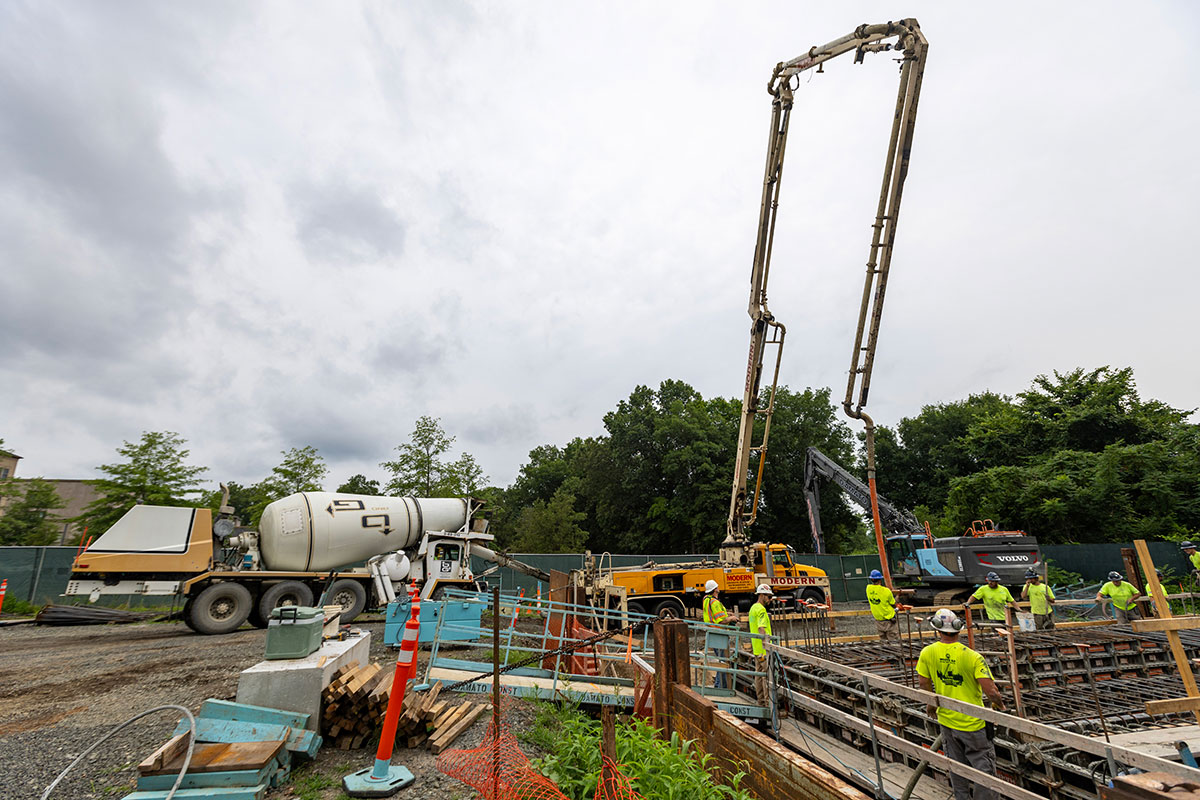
[{"x": 268, "y": 225}]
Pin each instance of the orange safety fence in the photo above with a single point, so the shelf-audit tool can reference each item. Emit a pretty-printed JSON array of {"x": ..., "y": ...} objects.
[{"x": 499, "y": 770}]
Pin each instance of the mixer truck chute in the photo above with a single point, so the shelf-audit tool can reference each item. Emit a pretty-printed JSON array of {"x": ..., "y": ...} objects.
[{"x": 227, "y": 575}]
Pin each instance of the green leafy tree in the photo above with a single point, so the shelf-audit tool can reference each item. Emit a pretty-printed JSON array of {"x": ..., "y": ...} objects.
[
  {"x": 551, "y": 526},
  {"x": 155, "y": 472},
  {"x": 422, "y": 470},
  {"x": 302, "y": 470},
  {"x": 359, "y": 484},
  {"x": 26, "y": 519}
]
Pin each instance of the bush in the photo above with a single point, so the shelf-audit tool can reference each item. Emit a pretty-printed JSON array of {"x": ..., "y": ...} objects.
[{"x": 658, "y": 769}]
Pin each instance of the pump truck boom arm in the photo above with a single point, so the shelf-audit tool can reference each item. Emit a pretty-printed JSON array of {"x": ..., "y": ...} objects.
[
  {"x": 765, "y": 330},
  {"x": 817, "y": 465}
]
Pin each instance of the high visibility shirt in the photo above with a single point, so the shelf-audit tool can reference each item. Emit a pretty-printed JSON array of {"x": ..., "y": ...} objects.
[
  {"x": 760, "y": 622},
  {"x": 994, "y": 600},
  {"x": 883, "y": 602},
  {"x": 1119, "y": 594},
  {"x": 1039, "y": 596},
  {"x": 955, "y": 670},
  {"x": 714, "y": 611},
  {"x": 1195, "y": 559}
]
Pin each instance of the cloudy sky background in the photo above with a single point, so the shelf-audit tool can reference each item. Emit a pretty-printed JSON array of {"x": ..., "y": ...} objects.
[{"x": 266, "y": 225}]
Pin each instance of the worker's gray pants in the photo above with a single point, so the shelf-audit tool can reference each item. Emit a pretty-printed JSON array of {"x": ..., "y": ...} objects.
[
  {"x": 1123, "y": 615},
  {"x": 1043, "y": 622},
  {"x": 974, "y": 749},
  {"x": 887, "y": 628},
  {"x": 721, "y": 681}
]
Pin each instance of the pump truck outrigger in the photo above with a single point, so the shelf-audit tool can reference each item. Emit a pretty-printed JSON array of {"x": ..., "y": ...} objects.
[{"x": 227, "y": 575}]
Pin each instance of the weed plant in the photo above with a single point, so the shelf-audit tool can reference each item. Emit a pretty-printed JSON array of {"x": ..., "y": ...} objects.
[{"x": 658, "y": 769}]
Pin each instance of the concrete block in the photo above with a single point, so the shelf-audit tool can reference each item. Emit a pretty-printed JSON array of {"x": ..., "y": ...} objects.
[{"x": 296, "y": 684}]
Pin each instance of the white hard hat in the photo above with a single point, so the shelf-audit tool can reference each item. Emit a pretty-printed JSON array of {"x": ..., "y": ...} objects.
[
  {"x": 945, "y": 621},
  {"x": 763, "y": 589},
  {"x": 710, "y": 586}
]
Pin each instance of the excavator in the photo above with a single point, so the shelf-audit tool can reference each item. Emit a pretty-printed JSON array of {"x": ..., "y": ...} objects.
[
  {"x": 943, "y": 571},
  {"x": 904, "y": 40}
]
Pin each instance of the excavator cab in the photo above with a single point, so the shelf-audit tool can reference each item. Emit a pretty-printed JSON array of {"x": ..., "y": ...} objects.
[{"x": 902, "y": 553}]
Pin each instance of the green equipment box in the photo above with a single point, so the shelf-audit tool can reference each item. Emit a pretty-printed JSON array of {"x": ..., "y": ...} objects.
[{"x": 294, "y": 631}]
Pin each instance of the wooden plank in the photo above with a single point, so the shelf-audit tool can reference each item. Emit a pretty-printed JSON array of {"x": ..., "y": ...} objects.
[
  {"x": 300, "y": 742},
  {"x": 1160, "y": 741},
  {"x": 818, "y": 746},
  {"x": 176, "y": 745},
  {"x": 242, "y": 712},
  {"x": 361, "y": 677},
  {"x": 1164, "y": 611},
  {"x": 450, "y": 717},
  {"x": 445, "y": 740},
  {"x": 200, "y": 780},
  {"x": 1046, "y": 732},
  {"x": 944, "y": 763},
  {"x": 1176, "y": 706},
  {"x": 1188, "y": 623}
]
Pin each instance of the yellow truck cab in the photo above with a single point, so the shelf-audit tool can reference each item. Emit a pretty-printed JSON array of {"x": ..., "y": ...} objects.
[{"x": 670, "y": 590}]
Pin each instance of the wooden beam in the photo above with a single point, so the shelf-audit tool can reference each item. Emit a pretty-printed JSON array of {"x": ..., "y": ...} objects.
[
  {"x": 1188, "y": 623},
  {"x": 1002, "y": 787},
  {"x": 1096, "y": 747},
  {"x": 1164, "y": 612},
  {"x": 1175, "y": 706}
]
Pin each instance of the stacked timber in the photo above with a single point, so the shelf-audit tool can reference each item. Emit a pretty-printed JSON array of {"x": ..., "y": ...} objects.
[{"x": 356, "y": 701}]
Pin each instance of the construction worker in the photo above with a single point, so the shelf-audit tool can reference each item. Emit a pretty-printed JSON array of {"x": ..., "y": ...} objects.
[
  {"x": 1193, "y": 557},
  {"x": 1041, "y": 600},
  {"x": 1123, "y": 596},
  {"x": 994, "y": 598},
  {"x": 716, "y": 615},
  {"x": 883, "y": 607},
  {"x": 760, "y": 623},
  {"x": 951, "y": 669}
]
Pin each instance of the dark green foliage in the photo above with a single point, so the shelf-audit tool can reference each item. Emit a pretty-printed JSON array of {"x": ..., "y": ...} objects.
[
  {"x": 1078, "y": 457},
  {"x": 359, "y": 484},
  {"x": 660, "y": 480},
  {"x": 421, "y": 469},
  {"x": 26, "y": 519},
  {"x": 154, "y": 472}
]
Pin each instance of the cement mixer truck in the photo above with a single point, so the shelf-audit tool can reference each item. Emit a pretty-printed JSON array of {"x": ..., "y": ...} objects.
[{"x": 226, "y": 575}]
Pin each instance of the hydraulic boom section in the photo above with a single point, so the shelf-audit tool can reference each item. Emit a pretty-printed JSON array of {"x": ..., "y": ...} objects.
[
  {"x": 817, "y": 465},
  {"x": 765, "y": 330}
]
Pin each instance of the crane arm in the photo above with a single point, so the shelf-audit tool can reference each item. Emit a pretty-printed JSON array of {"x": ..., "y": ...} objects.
[
  {"x": 765, "y": 330},
  {"x": 818, "y": 465}
]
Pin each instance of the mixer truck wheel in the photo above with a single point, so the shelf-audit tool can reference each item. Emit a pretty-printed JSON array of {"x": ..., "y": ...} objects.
[
  {"x": 350, "y": 595},
  {"x": 284, "y": 593},
  {"x": 813, "y": 595},
  {"x": 220, "y": 608},
  {"x": 635, "y": 607}
]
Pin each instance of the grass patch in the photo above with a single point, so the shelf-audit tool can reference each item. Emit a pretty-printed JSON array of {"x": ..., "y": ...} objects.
[{"x": 309, "y": 783}]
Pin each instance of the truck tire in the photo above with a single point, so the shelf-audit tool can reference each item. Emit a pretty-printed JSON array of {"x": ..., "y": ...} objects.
[
  {"x": 635, "y": 607},
  {"x": 187, "y": 613},
  {"x": 284, "y": 593},
  {"x": 813, "y": 595},
  {"x": 256, "y": 617},
  {"x": 220, "y": 608},
  {"x": 351, "y": 595},
  {"x": 669, "y": 609}
]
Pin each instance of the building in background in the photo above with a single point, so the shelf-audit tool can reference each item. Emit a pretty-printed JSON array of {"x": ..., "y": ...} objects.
[{"x": 76, "y": 494}]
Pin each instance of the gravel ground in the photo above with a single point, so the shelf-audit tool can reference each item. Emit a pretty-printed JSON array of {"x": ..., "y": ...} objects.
[{"x": 61, "y": 689}]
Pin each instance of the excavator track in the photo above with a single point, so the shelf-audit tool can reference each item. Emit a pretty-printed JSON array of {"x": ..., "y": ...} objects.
[{"x": 952, "y": 597}]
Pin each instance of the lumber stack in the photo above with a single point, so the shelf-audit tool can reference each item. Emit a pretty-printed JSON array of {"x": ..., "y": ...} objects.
[{"x": 356, "y": 701}]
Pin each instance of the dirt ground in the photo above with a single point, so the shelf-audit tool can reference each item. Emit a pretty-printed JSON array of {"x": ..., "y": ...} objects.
[{"x": 61, "y": 689}]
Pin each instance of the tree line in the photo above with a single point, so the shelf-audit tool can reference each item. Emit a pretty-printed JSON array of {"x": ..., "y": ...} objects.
[{"x": 1077, "y": 457}]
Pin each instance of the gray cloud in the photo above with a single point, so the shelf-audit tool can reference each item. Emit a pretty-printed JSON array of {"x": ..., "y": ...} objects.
[{"x": 342, "y": 223}]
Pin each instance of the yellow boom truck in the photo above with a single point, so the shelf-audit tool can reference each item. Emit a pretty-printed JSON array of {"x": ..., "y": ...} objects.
[{"x": 670, "y": 590}]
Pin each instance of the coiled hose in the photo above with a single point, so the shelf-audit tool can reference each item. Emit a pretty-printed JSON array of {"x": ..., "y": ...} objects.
[{"x": 187, "y": 759}]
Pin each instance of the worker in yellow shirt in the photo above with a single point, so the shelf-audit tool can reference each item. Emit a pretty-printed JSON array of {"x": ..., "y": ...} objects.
[
  {"x": 1123, "y": 596},
  {"x": 994, "y": 598},
  {"x": 760, "y": 624},
  {"x": 716, "y": 615},
  {"x": 1041, "y": 600},
  {"x": 883, "y": 607},
  {"x": 951, "y": 669},
  {"x": 1193, "y": 557}
]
